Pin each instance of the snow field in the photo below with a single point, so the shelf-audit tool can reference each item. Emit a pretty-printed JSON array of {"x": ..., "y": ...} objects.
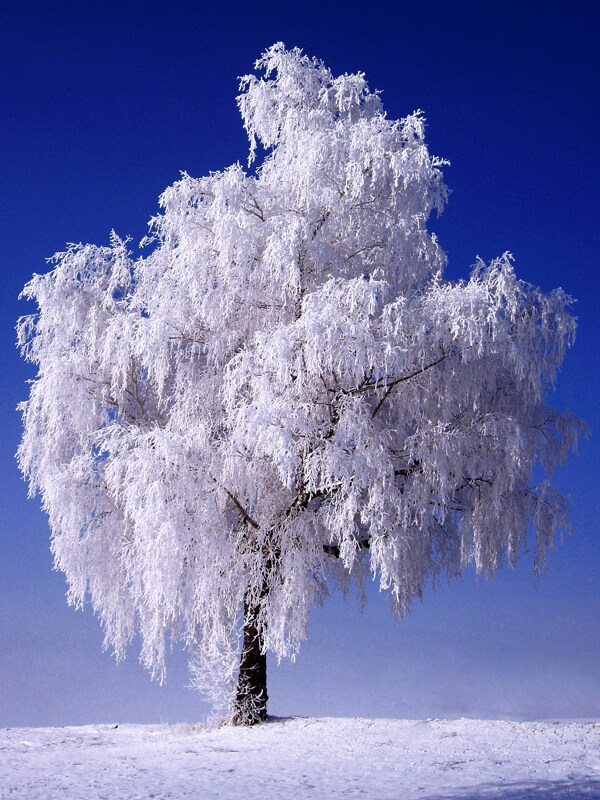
[{"x": 300, "y": 758}]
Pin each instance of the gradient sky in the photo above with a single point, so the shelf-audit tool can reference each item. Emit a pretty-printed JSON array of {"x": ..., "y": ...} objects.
[{"x": 101, "y": 106}]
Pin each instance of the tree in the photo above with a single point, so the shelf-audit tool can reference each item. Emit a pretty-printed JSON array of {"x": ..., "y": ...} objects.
[{"x": 285, "y": 390}]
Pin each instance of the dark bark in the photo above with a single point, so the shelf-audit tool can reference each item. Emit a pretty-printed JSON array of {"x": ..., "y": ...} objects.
[
  {"x": 251, "y": 695},
  {"x": 334, "y": 550}
]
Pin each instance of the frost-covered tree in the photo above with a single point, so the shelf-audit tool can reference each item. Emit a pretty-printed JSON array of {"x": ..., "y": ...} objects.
[{"x": 285, "y": 391}]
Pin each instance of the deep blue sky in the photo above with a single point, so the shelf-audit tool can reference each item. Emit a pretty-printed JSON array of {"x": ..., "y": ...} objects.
[{"x": 101, "y": 106}]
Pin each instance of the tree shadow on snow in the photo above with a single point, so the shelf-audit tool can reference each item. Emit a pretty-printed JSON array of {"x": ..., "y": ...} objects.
[{"x": 575, "y": 789}]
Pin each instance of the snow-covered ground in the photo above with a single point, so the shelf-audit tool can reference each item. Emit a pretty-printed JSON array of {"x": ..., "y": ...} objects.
[{"x": 301, "y": 758}]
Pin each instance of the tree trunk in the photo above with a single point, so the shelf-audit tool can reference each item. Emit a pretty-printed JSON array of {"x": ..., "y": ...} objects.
[{"x": 251, "y": 695}]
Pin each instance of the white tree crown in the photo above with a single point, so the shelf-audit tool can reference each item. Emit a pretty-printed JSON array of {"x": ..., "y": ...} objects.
[{"x": 286, "y": 390}]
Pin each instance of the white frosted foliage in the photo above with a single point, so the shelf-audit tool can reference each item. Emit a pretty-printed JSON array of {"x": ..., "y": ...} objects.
[{"x": 284, "y": 389}]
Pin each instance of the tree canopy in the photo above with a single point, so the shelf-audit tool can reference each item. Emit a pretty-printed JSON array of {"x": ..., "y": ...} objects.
[{"x": 285, "y": 391}]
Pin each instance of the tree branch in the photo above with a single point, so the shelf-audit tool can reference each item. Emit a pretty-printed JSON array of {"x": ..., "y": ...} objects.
[
  {"x": 238, "y": 505},
  {"x": 404, "y": 378},
  {"x": 256, "y": 211},
  {"x": 371, "y": 246}
]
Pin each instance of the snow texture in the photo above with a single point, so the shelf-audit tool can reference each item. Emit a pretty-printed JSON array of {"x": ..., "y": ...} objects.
[{"x": 305, "y": 758}]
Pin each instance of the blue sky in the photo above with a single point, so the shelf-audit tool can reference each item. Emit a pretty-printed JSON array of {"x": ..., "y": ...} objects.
[{"x": 102, "y": 105}]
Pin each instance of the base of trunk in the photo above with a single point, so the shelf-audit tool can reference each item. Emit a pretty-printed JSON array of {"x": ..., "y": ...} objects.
[{"x": 250, "y": 705}]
